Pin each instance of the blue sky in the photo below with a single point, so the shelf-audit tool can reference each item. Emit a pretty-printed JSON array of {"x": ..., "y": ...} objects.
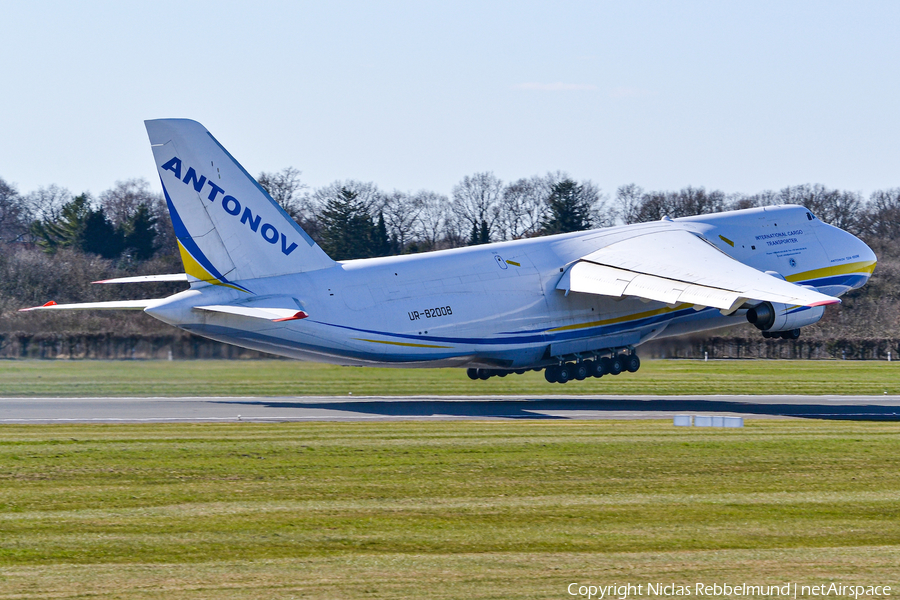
[{"x": 734, "y": 96}]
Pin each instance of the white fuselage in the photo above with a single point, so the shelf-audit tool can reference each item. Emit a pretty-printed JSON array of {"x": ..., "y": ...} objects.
[{"x": 497, "y": 305}]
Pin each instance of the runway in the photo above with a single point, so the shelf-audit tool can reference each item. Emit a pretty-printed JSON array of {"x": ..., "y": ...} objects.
[{"x": 351, "y": 408}]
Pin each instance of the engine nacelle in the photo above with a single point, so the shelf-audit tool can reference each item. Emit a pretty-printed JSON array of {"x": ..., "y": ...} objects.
[{"x": 774, "y": 316}]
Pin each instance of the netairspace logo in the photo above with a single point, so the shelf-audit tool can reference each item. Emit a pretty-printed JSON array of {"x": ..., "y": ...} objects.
[{"x": 717, "y": 590}]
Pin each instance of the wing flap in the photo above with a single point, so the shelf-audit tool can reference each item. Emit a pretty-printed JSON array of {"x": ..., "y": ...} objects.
[
  {"x": 676, "y": 266},
  {"x": 589, "y": 278},
  {"x": 655, "y": 288},
  {"x": 700, "y": 295}
]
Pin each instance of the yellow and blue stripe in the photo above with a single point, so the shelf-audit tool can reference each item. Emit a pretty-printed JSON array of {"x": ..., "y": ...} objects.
[{"x": 195, "y": 262}]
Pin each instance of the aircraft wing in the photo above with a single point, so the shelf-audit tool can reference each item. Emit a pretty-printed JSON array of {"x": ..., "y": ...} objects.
[
  {"x": 269, "y": 314},
  {"x": 677, "y": 266},
  {"x": 112, "y": 305},
  {"x": 147, "y": 278}
]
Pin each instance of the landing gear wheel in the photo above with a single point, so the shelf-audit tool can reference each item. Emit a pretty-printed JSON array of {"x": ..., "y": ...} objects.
[
  {"x": 484, "y": 374},
  {"x": 793, "y": 334},
  {"x": 551, "y": 374},
  {"x": 564, "y": 373},
  {"x": 616, "y": 364},
  {"x": 472, "y": 373},
  {"x": 632, "y": 363},
  {"x": 605, "y": 366},
  {"x": 595, "y": 368},
  {"x": 581, "y": 371}
]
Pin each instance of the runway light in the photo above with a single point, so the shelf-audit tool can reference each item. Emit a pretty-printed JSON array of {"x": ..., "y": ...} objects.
[{"x": 707, "y": 421}]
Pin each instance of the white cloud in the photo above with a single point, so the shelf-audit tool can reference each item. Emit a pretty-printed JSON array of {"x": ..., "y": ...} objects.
[
  {"x": 555, "y": 87},
  {"x": 630, "y": 92}
]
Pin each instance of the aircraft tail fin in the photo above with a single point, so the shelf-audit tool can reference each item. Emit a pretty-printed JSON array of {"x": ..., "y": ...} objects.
[{"x": 229, "y": 228}]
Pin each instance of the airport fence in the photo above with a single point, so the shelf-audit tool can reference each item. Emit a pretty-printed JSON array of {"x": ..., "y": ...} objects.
[
  {"x": 762, "y": 348},
  {"x": 182, "y": 345},
  {"x": 109, "y": 346}
]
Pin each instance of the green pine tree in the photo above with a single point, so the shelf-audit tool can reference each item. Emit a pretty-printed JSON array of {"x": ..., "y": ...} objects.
[
  {"x": 480, "y": 233},
  {"x": 381, "y": 243},
  {"x": 67, "y": 230},
  {"x": 569, "y": 209},
  {"x": 100, "y": 236},
  {"x": 347, "y": 229},
  {"x": 140, "y": 234}
]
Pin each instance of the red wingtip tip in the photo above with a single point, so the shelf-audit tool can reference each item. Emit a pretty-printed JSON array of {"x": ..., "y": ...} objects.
[
  {"x": 51, "y": 303},
  {"x": 826, "y": 302},
  {"x": 298, "y": 315}
]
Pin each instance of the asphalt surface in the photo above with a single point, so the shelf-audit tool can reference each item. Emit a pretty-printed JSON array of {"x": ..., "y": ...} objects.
[{"x": 355, "y": 408}]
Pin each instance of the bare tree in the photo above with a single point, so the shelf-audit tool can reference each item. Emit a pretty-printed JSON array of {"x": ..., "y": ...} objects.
[
  {"x": 401, "y": 213},
  {"x": 165, "y": 232},
  {"x": 524, "y": 207},
  {"x": 13, "y": 213},
  {"x": 836, "y": 207},
  {"x": 739, "y": 201},
  {"x": 476, "y": 202},
  {"x": 367, "y": 195},
  {"x": 602, "y": 215},
  {"x": 628, "y": 203},
  {"x": 121, "y": 201},
  {"x": 697, "y": 201},
  {"x": 431, "y": 222},
  {"x": 285, "y": 188},
  {"x": 881, "y": 219},
  {"x": 46, "y": 203},
  {"x": 637, "y": 206}
]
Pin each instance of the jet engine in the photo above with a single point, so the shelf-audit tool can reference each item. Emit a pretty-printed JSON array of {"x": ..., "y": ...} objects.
[{"x": 774, "y": 317}]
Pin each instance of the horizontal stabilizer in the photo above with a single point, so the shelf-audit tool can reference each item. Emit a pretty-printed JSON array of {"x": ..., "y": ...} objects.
[
  {"x": 269, "y": 314},
  {"x": 113, "y": 305},
  {"x": 147, "y": 278},
  {"x": 678, "y": 267}
]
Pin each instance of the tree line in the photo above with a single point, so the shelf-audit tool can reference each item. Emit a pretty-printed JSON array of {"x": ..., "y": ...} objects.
[
  {"x": 54, "y": 243},
  {"x": 355, "y": 219}
]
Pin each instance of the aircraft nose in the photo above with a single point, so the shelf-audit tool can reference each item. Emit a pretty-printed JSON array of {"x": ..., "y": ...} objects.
[
  {"x": 860, "y": 256},
  {"x": 850, "y": 259}
]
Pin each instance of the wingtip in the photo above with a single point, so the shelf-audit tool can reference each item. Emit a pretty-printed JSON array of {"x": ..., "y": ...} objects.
[
  {"x": 297, "y": 316},
  {"x": 45, "y": 305},
  {"x": 826, "y": 302}
]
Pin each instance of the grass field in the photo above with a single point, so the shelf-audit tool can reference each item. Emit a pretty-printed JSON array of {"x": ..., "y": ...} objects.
[
  {"x": 289, "y": 378},
  {"x": 442, "y": 510}
]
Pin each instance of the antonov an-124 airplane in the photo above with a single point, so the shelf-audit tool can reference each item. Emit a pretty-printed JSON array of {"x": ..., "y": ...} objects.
[{"x": 575, "y": 305}]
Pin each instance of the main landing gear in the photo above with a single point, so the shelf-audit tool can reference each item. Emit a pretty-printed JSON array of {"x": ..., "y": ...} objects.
[
  {"x": 567, "y": 371},
  {"x": 607, "y": 365},
  {"x": 488, "y": 373}
]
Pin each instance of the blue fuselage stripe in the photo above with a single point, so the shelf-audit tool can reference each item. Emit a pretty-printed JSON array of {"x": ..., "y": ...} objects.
[
  {"x": 548, "y": 336},
  {"x": 543, "y": 337}
]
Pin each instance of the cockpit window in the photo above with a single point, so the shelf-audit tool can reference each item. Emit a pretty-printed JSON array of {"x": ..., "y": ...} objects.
[{"x": 809, "y": 216}]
